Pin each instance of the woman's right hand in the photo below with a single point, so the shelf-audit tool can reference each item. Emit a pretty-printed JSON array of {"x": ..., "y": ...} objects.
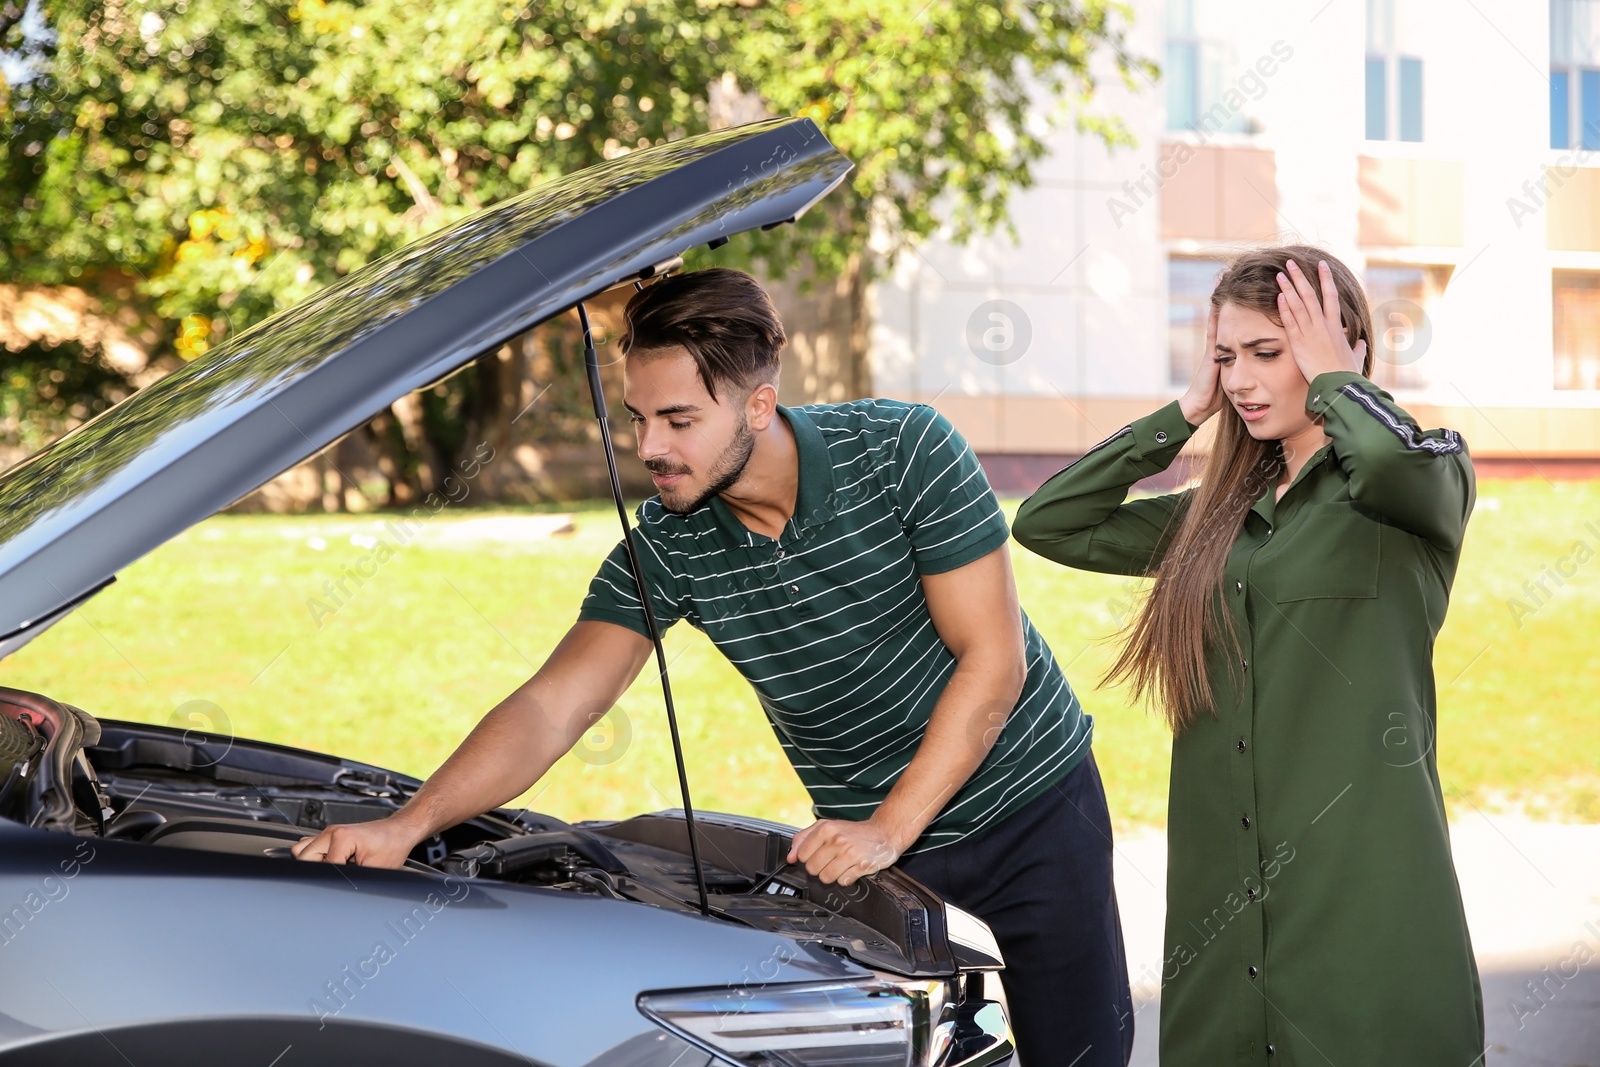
[{"x": 1204, "y": 398}]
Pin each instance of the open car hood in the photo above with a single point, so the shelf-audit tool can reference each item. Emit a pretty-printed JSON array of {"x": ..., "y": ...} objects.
[{"x": 209, "y": 433}]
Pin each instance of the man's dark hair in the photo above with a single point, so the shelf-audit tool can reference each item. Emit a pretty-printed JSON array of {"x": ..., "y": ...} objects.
[{"x": 721, "y": 316}]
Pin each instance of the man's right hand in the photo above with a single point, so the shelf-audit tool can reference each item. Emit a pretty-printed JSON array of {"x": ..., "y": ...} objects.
[{"x": 383, "y": 842}]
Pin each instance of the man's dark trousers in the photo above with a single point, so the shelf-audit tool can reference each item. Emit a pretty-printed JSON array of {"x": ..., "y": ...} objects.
[{"x": 1041, "y": 879}]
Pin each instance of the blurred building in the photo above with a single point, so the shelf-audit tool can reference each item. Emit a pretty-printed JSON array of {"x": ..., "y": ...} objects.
[{"x": 1448, "y": 151}]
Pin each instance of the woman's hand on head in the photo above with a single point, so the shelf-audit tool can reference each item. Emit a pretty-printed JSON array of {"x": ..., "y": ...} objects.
[
  {"x": 1204, "y": 398},
  {"x": 1316, "y": 331}
]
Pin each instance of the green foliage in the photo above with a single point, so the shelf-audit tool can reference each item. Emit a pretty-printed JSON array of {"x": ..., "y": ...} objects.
[
  {"x": 937, "y": 103},
  {"x": 41, "y": 388},
  {"x": 237, "y": 155},
  {"x": 240, "y": 154}
]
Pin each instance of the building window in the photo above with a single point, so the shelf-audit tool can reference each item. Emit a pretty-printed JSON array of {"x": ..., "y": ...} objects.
[
  {"x": 1576, "y": 300},
  {"x": 1400, "y": 295},
  {"x": 1575, "y": 74},
  {"x": 1393, "y": 78},
  {"x": 1189, "y": 286},
  {"x": 1206, "y": 94}
]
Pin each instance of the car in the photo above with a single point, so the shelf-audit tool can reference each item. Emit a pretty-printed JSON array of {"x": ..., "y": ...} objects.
[{"x": 150, "y": 911}]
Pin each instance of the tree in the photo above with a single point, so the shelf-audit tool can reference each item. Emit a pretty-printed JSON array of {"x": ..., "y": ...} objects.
[{"x": 236, "y": 155}]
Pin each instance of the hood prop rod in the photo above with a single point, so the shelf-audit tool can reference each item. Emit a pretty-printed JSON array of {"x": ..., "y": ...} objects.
[{"x": 591, "y": 363}]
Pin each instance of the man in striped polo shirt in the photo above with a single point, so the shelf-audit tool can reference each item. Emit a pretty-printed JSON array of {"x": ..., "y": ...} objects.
[{"x": 850, "y": 560}]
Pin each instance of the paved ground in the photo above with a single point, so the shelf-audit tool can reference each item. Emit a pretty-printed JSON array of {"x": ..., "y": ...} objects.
[{"x": 1532, "y": 893}]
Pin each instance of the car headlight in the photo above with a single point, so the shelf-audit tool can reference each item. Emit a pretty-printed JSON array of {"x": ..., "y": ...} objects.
[
  {"x": 822, "y": 1024},
  {"x": 932, "y": 1016}
]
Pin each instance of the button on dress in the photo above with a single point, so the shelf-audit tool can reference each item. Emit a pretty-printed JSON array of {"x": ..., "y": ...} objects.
[{"x": 1313, "y": 912}]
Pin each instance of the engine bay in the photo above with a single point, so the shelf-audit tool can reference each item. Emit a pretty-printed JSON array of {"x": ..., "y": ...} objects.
[{"x": 165, "y": 788}]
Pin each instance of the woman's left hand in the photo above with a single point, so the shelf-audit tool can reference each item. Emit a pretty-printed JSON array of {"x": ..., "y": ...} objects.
[{"x": 1316, "y": 332}]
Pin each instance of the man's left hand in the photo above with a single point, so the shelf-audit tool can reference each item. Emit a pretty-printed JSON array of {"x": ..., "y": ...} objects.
[{"x": 840, "y": 851}]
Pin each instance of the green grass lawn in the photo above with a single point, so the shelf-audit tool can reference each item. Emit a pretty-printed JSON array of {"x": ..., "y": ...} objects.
[{"x": 216, "y": 631}]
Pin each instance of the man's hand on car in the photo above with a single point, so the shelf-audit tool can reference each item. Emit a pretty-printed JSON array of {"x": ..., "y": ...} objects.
[
  {"x": 381, "y": 843},
  {"x": 837, "y": 850}
]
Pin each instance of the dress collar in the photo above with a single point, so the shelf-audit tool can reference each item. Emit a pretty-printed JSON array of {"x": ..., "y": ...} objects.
[{"x": 1266, "y": 505}]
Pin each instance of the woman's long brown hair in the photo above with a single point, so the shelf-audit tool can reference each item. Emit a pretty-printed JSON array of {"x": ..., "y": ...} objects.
[{"x": 1182, "y": 620}]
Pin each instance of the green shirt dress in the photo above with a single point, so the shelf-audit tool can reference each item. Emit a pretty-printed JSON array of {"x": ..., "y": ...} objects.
[{"x": 1313, "y": 913}]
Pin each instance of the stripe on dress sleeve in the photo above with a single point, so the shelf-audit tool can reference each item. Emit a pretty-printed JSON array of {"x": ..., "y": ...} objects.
[
  {"x": 1119, "y": 435},
  {"x": 1410, "y": 436}
]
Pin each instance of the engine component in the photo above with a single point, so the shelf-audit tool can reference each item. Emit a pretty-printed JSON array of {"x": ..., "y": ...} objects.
[
  {"x": 507, "y": 859},
  {"x": 20, "y": 746},
  {"x": 63, "y": 794}
]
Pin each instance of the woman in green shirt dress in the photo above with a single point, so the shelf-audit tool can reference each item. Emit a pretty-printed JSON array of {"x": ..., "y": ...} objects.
[{"x": 1313, "y": 913}]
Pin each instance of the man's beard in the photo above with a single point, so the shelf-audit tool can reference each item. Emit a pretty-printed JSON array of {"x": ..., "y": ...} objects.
[{"x": 725, "y": 471}]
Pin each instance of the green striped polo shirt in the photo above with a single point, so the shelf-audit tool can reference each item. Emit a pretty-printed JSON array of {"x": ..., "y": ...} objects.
[{"x": 829, "y": 624}]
